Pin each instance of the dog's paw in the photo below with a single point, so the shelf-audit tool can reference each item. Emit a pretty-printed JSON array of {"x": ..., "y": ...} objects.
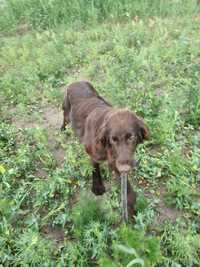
[
  {"x": 98, "y": 190},
  {"x": 62, "y": 128}
]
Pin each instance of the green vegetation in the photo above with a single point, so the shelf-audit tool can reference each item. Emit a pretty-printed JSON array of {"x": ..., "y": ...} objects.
[
  {"x": 46, "y": 14},
  {"x": 140, "y": 54}
]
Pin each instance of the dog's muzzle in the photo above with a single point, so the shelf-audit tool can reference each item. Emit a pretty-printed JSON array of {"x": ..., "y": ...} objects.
[{"x": 126, "y": 167}]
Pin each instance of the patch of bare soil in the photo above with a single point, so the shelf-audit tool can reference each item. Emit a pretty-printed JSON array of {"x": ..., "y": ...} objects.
[
  {"x": 41, "y": 173},
  {"x": 55, "y": 234},
  {"x": 51, "y": 120},
  {"x": 52, "y": 117},
  {"x": 24, "y": 123},
  {"x": 163, "y": 213}
]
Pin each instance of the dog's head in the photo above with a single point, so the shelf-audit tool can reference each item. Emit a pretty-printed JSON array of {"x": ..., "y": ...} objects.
[{"x": 120, "y": 133}]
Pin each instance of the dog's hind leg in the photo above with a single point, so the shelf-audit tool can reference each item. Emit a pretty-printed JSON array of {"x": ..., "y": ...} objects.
[{"x": 66, "y": 111}]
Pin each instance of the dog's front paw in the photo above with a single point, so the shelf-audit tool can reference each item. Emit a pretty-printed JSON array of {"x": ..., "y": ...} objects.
[
  {"x": 98, "y": 190},
  {"x": 62, "y": 128}
]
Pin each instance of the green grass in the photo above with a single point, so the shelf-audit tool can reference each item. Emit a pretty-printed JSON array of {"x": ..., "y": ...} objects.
[
  {"x": 46, "y": 14},
  {"x": 140, "y": 54}
]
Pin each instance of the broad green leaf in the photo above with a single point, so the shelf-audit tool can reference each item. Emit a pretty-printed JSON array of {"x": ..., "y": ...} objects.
[
  {"x": 136, "y": 261},
  {"x": 127, "y": 250}
]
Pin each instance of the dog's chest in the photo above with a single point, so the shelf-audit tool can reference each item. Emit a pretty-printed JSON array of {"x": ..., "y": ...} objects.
[{"x": 99, "y": 153}]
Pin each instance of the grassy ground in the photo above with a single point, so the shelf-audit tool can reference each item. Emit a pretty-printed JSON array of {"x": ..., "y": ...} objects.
[{"x": 147, "y": 60}]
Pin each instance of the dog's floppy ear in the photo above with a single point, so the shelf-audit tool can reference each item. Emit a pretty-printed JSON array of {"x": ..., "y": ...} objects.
[
  {"x": 102, "y": 135},
  {"x": 142, "y": 130}
]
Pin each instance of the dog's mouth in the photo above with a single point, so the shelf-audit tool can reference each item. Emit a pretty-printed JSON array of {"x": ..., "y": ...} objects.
[{"x": 125, "y": 168}]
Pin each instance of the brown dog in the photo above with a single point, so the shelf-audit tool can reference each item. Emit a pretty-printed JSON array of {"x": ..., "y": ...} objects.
[{"x": 108, "y": 134}]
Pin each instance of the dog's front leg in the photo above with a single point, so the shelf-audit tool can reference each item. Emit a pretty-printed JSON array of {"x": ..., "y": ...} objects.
[{"x": 97, "y": 183}]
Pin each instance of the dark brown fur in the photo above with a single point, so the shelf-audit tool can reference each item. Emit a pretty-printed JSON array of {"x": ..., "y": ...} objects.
[{"x": 108, "y": 134}]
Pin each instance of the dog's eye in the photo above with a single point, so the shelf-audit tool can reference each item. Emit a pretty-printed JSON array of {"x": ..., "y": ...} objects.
[
  {"x": 115, "y": 139},
  {"x": 130, "y": 137}
]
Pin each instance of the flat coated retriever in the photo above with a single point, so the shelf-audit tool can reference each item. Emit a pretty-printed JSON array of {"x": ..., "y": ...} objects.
[{"x": 108, "y": 133}]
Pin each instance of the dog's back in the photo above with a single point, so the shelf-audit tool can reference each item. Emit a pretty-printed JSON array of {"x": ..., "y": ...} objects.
[
  {"x": 78, "y": 91},
  {"x": 80, "y": 101}
]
